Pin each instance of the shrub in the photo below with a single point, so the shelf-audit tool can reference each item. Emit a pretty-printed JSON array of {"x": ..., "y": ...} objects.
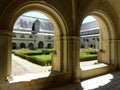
[
  {"x": 35, "y": 56},
  {"x": 47, "y": 51},
  {"x": 43, "y": 57},
  {"x": 88, "y": 57},
  {"x": 40, "y": 59},
  {"x": 88, "y": 54}
]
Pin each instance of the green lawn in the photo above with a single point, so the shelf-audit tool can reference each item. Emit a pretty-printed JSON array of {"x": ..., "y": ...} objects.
[
  {"x": 43, "y": 57},
  {"x": 88, "y": 54}
]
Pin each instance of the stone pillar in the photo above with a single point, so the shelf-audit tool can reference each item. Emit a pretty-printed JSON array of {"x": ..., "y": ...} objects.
[
  {"x": 74, "y": 50},
  {"x": 5, "y": 55},
  {"x": 117, "y": 57},
  {"x": 57, "y": 56},
  {"x": 113, "y": 52},
  {"x": 66, "y": 58},
  {"x": 105, "y": 51}
]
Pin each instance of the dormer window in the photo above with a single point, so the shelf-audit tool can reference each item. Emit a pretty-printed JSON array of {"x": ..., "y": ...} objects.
[{"x": 36, "y": 27}]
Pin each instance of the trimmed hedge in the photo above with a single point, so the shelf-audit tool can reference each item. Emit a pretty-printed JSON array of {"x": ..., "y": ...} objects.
[
  {"x": 43, "y": 57},
  {"x": 88, "y": 54},
  {"x": 40, "y": 56},
  {"x": 87, "y": 57}
]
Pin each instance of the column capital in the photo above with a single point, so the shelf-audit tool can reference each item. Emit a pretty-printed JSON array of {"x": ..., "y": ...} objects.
[{"x": 5, "y": 33}]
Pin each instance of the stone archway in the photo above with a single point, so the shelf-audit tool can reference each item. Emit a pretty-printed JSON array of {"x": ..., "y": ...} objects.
[
  {"x": 49, "y": 45},
  {"x": 107, "y": 44},
  {"x": 14, "y": 46},
  {"x": 22, "y": 45},
  {"x": 40, "y": 44},
  {"x": 57, "y": 20},
  {"x": 31, "y": 46},
  {"x": 107, "y": 36}
]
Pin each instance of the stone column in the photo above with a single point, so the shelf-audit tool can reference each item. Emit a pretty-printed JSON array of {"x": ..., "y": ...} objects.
[
  {"x": 113, "y": 52},
  {"x": 5, "y": 55},
  {"x": 105, "y": 51},
  {"x": 57, "y": 56},
  {"x": 66, "y": 58},
  {"x": 118, "y": 53},
  {"x": 74, "y": 50}
]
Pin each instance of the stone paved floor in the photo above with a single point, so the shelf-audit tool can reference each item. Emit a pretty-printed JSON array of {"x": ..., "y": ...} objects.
[{"x": 109, "y": 81}]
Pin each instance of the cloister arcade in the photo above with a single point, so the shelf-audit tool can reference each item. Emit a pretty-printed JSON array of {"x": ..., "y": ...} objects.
[{"x": 67, "y": 17}]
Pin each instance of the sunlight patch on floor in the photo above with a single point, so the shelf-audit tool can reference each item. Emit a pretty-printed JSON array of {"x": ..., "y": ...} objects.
[
  {"x": 29, "y": 77},
  {"x": 96, "y": 82}
]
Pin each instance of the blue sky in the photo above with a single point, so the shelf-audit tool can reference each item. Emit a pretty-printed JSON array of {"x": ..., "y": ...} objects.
[
  {"x": 89, "y": 19},
  {"x": 40, "y": 15},
  {"x": 36, "y": 14}
]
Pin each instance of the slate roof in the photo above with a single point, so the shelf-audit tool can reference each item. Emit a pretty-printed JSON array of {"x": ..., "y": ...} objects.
[
  {"x": 90, "y": 25},
  {"x": 26, "y": 23}
]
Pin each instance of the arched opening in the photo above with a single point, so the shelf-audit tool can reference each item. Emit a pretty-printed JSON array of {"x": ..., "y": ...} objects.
[
  {"x": 28, "y": 29},
  {"x": 14, "y": 46},
  {"x": 89, "y": 34},
  {"x": 22, "y": 36},
  {"x": 22, "y": 45},
  {"x": 40, "y": 44},
  {"x": 58, "y": 23},
  {"x": 31, "y": 46},
  {"x": 49, "y": 45},
  {"x": 103, "y": 43}
]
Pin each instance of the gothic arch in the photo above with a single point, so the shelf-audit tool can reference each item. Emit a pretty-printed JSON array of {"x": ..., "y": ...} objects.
[
  {"x": 54, "y": 15},
  {"x": 107, "y": 36},
  {"x": 41, "y": 6}
]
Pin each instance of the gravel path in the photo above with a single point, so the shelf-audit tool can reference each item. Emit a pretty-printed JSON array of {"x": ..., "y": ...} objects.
[{"x": 21, "y": 66}]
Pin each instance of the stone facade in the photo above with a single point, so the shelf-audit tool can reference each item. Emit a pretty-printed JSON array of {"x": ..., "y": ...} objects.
[
  {"x": 89, "y": 35},
  {"x": 33, "y": 33}
]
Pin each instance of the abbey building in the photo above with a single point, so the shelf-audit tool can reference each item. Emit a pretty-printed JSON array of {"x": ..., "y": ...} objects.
[{"x": 30, "y": 32}]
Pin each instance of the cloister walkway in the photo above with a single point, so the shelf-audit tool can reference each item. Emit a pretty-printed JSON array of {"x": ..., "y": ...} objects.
[
  {"x": 21, "y": 66},
  {"x": 110, "y": 81}
]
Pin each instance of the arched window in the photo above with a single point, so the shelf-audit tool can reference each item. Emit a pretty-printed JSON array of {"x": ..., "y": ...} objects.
[
  {"x": 93, "y": 38},
  {"x": 30, "y": 36},
  {"x": 22, "y": 36},
  {"x": 35, "y": 26}
]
